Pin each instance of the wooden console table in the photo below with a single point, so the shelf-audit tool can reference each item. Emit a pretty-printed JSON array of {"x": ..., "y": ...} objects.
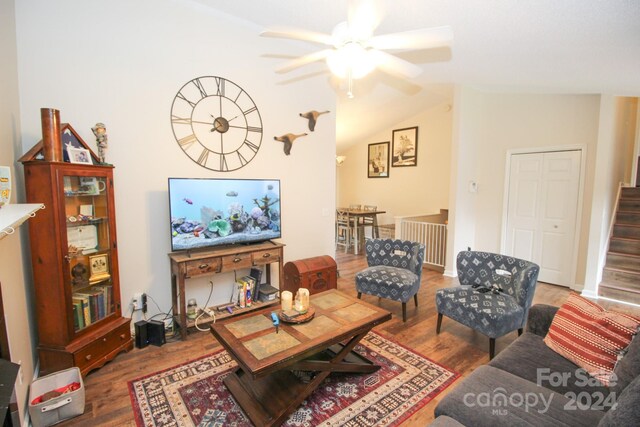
[{"x": 185, "y": 265}]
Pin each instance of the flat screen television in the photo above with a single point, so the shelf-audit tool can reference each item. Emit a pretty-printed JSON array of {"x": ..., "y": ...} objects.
[{"x": 209, "y": 212}]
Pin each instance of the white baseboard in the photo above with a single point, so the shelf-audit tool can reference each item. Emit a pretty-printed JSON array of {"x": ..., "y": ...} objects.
[
  {"x": 577, "y": 287},
  {"x": 589, "y": 294},
  {"x": 450, "y": 273}
]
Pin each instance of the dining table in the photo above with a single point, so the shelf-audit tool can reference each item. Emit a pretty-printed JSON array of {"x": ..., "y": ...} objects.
[{"x": 358, "y": 230}]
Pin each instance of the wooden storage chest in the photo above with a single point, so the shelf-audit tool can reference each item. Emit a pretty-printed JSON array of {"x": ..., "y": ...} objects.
[{"x": 317, "y": 274}]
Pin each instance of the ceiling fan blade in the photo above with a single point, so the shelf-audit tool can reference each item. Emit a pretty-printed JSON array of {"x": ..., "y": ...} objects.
[
  {"x": 364, "y": 16},
  {"x": 304, "y": 60},
  {"x": 425, "y": 38},
  {"x": 393, "y": 65},
  {"x": 298, "y": 34}
]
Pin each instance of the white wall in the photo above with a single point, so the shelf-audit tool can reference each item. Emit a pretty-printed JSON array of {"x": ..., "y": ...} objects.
[
  {"x": 467, "y": 134},
  {"x": 16, "y": 293},
  {"x": 615, "y": 142},
  {"x": 408, "y": 190},
  {"x": 121, "y": 63},
  {"x": 496, "y": 123}
]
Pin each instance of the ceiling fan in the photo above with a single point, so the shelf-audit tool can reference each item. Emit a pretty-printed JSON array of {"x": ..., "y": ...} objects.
[{"x": 354, "y": 51}]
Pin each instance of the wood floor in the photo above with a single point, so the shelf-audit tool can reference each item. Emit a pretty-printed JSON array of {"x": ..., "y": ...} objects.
[{"x": 456, "y": 347}]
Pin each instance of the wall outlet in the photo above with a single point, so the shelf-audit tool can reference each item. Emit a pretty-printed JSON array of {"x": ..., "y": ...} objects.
[
  {"x": 137, "y": 301},
  {"x": 144, "y": 303},
  {"x": 168, "y": 324}
]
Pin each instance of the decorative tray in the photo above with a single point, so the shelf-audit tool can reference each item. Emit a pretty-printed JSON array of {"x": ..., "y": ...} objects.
[{"x": 301, "y": 318}]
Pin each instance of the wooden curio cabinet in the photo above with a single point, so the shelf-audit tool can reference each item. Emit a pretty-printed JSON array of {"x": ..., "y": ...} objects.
[{"x": 74, "y": 255}]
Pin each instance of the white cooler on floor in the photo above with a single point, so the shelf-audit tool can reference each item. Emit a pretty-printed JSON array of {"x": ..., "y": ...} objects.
[{"x": 59, "y": 408}]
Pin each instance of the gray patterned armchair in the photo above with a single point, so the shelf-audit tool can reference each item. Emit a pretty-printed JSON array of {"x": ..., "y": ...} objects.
[
  {"x": 495, "y": 295},
  {"x": 394, "y": 272}
]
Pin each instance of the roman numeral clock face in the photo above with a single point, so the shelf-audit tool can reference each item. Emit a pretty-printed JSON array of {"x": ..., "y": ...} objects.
[{"x": 216, "y": 123}]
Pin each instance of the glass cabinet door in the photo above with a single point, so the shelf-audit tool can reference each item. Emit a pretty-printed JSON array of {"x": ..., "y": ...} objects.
[{"x": 89, "y": 249}]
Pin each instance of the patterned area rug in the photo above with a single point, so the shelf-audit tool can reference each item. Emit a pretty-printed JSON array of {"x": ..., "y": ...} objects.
[{"x": 193, "y": 394}]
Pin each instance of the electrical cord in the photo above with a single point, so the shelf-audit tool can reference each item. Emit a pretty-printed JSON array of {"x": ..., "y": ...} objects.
[
  {"x": 154, "y": 301},
  {"x": 167, "y": 315},
  {"x": 206, "y": 304},
  {"x": 130, "y": 314},
  {"x": 234, "y": 287}
]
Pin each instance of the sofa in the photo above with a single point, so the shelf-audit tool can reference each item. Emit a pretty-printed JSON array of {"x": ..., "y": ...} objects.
[{"x": 530, "y": 384}]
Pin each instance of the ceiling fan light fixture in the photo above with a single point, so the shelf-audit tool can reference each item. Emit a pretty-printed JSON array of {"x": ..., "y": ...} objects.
[{"x": 351, "y": 59}]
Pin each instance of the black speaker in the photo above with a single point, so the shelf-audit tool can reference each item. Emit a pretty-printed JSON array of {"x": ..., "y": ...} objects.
[
  {"x": 141, "y": 334},
  {"x": 155, "y": 332}
]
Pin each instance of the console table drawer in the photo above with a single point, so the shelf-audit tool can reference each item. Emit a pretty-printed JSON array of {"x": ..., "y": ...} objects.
[
  {"x": 203, "y": 266},
  {"x": 266, "y": 257},
  {"x": 235, "y": 262}
]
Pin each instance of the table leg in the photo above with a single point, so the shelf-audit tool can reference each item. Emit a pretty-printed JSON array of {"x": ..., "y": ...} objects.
[
  {"x": 356, "y": 240},
  {"x": 174, "y": 295},
  {"x": 269, "y": 401},
  {"x": 182, "y": 307}
]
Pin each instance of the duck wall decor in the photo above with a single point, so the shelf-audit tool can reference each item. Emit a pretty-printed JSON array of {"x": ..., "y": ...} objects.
[
  {"x": 312, "y": 116},
  {"x": 288, "y": 139}
]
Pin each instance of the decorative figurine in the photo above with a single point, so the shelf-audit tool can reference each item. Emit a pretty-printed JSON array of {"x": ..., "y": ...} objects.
[
  {"x": 288, "y": 139},
  {"x": 100, "y": 131},
  {"x": 312, "y": 116},
  {"x": 79, "y": 275}
]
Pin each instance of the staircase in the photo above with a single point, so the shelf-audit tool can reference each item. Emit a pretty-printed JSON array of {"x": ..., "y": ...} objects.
[{"x": 621, "y": 275}]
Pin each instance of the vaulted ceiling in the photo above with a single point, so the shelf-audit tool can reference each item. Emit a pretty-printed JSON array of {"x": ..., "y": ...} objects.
[{"x": 540, "y": 46}]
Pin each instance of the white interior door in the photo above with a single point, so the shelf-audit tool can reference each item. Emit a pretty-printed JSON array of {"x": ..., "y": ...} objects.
[{"x": 542, "y": 211}]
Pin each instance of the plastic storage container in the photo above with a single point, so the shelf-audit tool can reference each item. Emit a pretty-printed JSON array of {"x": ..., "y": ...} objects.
[{"x": 59, "y": 408}]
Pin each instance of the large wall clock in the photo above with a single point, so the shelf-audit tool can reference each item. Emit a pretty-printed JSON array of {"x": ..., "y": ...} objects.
[{"x": 216, "y": 123}]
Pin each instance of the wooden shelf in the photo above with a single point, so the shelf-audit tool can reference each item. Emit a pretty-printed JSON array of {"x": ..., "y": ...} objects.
[
  {"x": 256, "y": 305},
  {"x": 13, "y": 215}
]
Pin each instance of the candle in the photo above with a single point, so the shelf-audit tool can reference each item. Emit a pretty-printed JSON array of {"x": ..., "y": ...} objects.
[
  {"x": 304, "y": 298},
  {"x": 286, "y": 298},
  {"x": 298, "y": 306}
]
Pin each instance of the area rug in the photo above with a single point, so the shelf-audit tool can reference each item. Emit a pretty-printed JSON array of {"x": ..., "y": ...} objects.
[{"x": 193, "y": 394}]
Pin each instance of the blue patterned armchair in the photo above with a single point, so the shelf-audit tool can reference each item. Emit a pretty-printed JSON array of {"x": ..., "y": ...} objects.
[
  {"x": 395, "y": 268},
  {"x": 495, "y": 295}
]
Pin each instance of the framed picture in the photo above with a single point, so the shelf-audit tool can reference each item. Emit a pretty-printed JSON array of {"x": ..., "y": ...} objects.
[
  {"x": 79, "y": 155},
  {"x": 405, "y": 147},
  {"x": 378, "y": 164},
  {"x": 98, "y": 268}
]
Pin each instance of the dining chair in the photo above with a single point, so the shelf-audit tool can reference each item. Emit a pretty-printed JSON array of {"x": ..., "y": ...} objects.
[
  {"x": 371, "y": 221},
  {"x": 355, "y": 206},
  {"x": 344, "y": 229}
]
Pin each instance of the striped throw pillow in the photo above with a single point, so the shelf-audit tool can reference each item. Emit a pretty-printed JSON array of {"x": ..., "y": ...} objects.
[{"x": 590, "y": 336}]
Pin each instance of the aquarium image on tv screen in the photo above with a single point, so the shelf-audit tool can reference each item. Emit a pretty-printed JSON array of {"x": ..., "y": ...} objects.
[{"x": 210, "y": 212}]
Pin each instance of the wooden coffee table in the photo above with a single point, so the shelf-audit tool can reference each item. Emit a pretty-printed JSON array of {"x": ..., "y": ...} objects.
[{"x": 264, "y": 384}]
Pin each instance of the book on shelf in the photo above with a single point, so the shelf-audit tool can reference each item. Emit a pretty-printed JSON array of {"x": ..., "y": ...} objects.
[
  {"x": 93, "y": 300},
  {"x": 78, "y": 314},
  {"x": 256, "y": 273},
  {"x": 108, "y": 289},
  {"x": 84, "y": 303},
  {"x": 100, "y": 293}
]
